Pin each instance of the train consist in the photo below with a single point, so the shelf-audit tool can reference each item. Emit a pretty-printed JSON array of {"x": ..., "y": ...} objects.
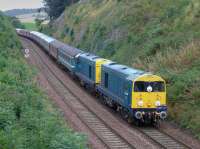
[{"x": 139, "y": 96}]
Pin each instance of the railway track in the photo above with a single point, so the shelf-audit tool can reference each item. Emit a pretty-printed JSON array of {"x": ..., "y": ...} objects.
[
  {"x": 163, "y": 139},
  {"x": 104, "y": 132}
]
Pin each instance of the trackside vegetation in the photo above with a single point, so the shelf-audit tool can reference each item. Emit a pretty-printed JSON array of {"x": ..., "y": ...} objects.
[
  {"x": 27, "y": 119},
  {"x": 153, "y": 35},
  {"x": 30, "y": 26}
]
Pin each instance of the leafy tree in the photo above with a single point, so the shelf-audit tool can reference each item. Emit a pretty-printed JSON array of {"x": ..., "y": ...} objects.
[
  {"x": 16, "y": 23},
  {"x": 38, "y": 22},
  {"x": 54, "y": 8}
]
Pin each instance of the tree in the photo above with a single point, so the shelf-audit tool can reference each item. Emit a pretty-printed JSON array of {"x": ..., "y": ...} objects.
[
  {"x": 55, "y": 8},
  {"x": 16, "y": 23}
]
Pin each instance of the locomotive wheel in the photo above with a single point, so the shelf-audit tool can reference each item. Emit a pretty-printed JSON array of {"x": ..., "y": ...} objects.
[
  {"x": 156, "y": 123},
  {"x": 124, "y": 114},
  {"x": 73, "y": 76},
  {"x": 114, "y": 107},
  {"x": 130, "y": 119},
  {"x": 97, "y": 95},
  {"x": 102, "y": 99},
  {"x": 82, "y": 83},
  {"x": 137, "y": 122}
]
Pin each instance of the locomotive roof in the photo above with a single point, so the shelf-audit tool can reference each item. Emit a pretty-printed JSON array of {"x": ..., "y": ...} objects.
[
  {"x": 125, "y": 71},
  {"x": 18, "y": 29},
  {"x": 21, "y": 30},
  {"x": 90, "y": 56},
  {"x": 71, "y": 51},
  {"x": 43, "y": 36}
]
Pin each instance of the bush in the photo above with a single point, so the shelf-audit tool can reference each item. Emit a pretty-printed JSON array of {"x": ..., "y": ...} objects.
[{"x": 27, "y": 119}]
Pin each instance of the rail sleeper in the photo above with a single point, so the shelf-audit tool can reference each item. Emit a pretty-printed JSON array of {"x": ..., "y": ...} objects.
[{"x": 113, "y": 141}]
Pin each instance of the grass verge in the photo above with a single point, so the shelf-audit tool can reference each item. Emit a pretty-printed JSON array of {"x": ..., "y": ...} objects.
[
  {"x": 30, "y": 26},
  {"x": 27, "y": 118}
]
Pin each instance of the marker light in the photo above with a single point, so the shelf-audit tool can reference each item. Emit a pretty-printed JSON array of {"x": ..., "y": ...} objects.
[
  {"x": 149, "y": 89},
  {"x": 140, "y": 103},
  {"x": 157, "y": 103}
]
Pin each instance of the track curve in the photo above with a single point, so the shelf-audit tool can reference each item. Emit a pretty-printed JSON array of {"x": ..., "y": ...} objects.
[
  {"x": 163, "y": 139},
  {"x": 105, "y": 132}
]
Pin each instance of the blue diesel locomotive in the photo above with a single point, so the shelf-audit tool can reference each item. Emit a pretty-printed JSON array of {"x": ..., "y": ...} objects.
[{"x": 139, "y": 96}]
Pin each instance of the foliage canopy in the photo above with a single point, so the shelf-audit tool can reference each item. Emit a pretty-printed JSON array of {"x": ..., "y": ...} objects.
[{"x": 54, "y": 8}]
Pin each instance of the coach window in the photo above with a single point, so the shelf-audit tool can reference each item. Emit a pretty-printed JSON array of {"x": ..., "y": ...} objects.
[
  {"x": 78, "y": 61},
  {"x": 90, "y": 72},
  {"x": 106, "y": 80}
]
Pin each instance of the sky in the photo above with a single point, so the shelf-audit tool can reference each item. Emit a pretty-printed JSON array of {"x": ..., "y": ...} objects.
[{"x": 15, "y": 4}]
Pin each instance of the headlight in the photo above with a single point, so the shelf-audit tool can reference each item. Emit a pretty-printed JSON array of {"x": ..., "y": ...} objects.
[
  {"x": 157, "y": 103},
  {"x": 140, "y": 103},
  {"x": 149, "y": 89}
]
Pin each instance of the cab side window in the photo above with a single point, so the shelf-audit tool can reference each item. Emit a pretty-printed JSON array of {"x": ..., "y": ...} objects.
[
  {"x": 106, "y": 80},
  {"x": 125, "y": 88},
  {"x": 90, "y": 72}
]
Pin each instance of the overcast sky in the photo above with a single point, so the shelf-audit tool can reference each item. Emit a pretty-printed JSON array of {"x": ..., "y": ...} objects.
[{"x": 13, "y": 4}]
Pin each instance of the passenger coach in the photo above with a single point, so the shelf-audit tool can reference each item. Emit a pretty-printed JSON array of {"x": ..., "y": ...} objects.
[{"x": 66, "y": 55}]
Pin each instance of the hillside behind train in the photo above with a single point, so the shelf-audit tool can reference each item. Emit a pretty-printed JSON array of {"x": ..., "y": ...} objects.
[{"x": 158, "y": 36}]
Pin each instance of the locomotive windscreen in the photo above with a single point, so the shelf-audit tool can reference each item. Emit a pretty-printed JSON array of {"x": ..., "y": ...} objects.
[{"x": 157, "y": 86}]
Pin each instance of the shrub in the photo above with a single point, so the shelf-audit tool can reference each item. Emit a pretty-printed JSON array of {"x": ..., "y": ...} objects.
[{"x": 25, "y": 119}]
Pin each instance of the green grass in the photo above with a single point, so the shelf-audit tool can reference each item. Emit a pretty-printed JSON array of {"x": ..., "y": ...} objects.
[
  {"x": 30, "y": 26},
  {"x": 153, "y": 35},
  {"x": 27, "y": 118}
]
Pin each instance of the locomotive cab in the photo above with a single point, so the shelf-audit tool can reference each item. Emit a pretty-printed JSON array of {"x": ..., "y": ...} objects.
[{"x": 149, "y": 97}]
